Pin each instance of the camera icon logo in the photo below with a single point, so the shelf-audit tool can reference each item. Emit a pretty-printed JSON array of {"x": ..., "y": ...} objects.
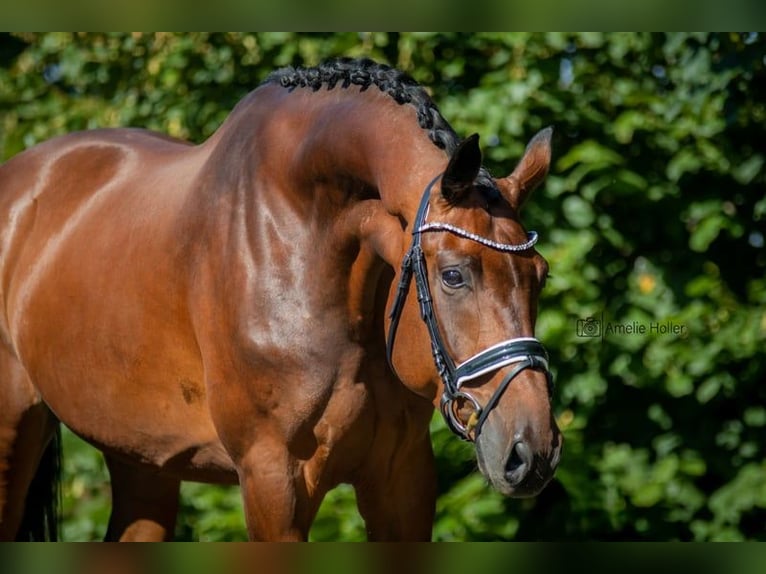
[{"x": 589, "y": 327}]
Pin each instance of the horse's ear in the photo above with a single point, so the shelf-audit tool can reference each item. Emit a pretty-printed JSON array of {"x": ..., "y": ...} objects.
[
  {"x": 531, "y": 170},
  {"x": 462, "y": 169}
]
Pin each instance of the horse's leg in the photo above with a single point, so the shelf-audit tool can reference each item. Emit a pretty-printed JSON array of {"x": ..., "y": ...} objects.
[
  {"x": 274, "y": 509},
  {"x": 144, "y": 503},
  {"x": 397, "y": 498},
  {"x": 26, "y": 428}
]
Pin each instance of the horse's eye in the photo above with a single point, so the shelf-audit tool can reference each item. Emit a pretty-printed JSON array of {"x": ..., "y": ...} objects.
[{"x": 452, "y": 278}]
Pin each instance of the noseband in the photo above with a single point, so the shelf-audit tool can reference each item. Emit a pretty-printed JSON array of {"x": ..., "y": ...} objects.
[{"x": 523, "y": 352}]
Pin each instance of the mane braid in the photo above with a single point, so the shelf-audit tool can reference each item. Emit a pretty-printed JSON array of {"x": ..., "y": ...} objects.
[{"x": 345, "y": 72}]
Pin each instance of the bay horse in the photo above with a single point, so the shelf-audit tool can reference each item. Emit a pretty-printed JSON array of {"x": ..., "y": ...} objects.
[{"x": 243, "y": 311}]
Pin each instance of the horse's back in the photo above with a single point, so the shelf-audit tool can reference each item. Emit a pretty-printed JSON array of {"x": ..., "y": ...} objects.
[
  {"x": 73, "y": 194},
  {"x": 80, "y": 164}
]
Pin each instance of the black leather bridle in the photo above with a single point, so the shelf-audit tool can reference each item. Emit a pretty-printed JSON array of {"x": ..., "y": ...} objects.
[{"x": 522, "y": 353}]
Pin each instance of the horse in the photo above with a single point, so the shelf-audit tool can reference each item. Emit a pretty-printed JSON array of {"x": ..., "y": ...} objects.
[{"x": 243, "y": 310}]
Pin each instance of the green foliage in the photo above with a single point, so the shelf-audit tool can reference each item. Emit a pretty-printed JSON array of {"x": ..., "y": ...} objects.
[
  {"x": 85, "y": 491},
  {"x": 653, "y": 214}
]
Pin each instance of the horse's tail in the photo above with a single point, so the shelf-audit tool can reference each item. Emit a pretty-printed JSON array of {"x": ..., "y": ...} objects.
[{"x": 43, "y": 504}]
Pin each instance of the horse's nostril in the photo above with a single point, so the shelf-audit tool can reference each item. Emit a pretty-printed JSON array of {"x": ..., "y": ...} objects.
[
  {"x": 518, "y": 464},
  {"x": 514, "y": 461}
]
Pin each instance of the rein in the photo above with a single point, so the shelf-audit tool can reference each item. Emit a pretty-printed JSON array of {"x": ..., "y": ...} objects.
[{"x": 523, "y": 352}]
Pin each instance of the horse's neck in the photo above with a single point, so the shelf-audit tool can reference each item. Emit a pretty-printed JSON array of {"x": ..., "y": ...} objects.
[{"x": 340, "y": 143}]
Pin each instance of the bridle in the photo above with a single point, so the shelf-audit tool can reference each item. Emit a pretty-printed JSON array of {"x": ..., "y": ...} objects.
[{"x": 522, "y": 352}]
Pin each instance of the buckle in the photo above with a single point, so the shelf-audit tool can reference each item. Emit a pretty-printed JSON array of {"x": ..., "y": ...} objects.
[{"x": 449, "y": 412}]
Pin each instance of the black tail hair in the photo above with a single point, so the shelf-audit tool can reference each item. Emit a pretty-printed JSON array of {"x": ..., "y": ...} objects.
[{"x": 43, "y": 504}]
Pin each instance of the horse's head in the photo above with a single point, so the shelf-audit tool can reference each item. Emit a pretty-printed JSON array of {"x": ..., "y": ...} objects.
[{"x": 478, "y": 279}]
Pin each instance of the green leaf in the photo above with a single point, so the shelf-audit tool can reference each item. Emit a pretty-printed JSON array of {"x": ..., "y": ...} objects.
[
  {"x": 685, "y": 161},
  {"x": 749, "y": 169},
  {"x": 706, "y": 232},
  {"x": 578, "y": 211},
  {"x": 589, "y": 152}
]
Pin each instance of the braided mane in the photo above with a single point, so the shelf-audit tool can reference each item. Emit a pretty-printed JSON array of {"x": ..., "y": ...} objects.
[{"x": 345, "y": 72}]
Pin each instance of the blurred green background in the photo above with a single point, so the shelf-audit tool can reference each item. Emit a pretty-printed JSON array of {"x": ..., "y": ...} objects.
[{"x": 653, "y": 214}]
